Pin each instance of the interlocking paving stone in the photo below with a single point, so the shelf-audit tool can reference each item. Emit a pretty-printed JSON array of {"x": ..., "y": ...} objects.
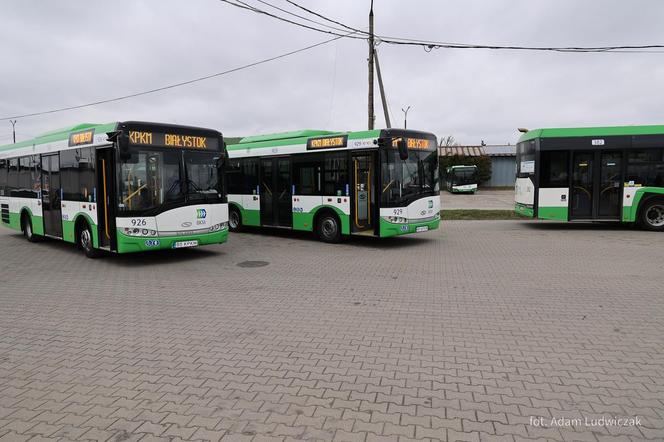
[{"x": 466, "y": 333}]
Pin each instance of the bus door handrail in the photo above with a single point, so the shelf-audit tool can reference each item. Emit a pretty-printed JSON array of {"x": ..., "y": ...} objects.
[
  {"x": 357, "y": 220},
  {"x": 103, "y": 172}
]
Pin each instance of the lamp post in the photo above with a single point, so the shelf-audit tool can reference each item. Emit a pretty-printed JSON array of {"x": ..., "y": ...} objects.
[
  {"x": 405, "y": 117},
  {"x": 13, "y": 122}
]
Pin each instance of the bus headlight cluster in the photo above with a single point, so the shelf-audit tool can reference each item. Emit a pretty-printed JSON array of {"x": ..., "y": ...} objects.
[
  {"x": 218, "y": 227},
  {"x": 133, "y": 231},
  {"x": 396, "y": 219}
]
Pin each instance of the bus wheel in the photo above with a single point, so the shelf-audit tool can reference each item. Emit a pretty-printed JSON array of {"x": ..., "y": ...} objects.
[
  {"x": 652, "y": 215},
  {"x": 85, "y": 241},
  {"x": 26, "y": 227},
  {"x": 234, "y": 220},
  {"x": 328, "y": 228}
]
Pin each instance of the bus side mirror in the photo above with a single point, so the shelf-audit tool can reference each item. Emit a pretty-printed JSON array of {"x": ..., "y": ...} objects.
[
  {"x": 403, "y": 149},
  {"x": 123, "y": 146}
]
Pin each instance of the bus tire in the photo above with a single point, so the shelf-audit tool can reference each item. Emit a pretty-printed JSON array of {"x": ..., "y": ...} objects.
[
  {"x": 328, "y": 227},
  {"x": 651, "y": 215},
  {"x": 84, "y": 239},
  {"x": 26, "y": 228},
  {"x": 234, "y": 219}
]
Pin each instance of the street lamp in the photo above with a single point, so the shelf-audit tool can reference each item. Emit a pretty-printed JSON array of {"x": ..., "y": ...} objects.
[
  {"x": 13, "y": 122},
  {"x": 405, "y": 117}
]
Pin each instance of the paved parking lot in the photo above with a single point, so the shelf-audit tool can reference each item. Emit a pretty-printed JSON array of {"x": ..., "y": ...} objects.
[
  {"x": 484, "y": 330},
  {"x": 484, "y": 200}
]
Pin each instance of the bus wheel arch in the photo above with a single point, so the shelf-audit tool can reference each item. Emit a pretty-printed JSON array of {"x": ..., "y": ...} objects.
[
  {"x": 234, "y": 218},
  {"x": 27, "y": 227},
  {"x": 84, "y": 237},
  {"x": 327, "y": 225},
  {"x": 650, "y": 215}
]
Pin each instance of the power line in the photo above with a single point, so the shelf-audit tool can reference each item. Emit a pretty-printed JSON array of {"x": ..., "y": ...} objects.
[
  {"x": 325, "y": 18},
  {"x": 172, "y": 86},
  {"x": 240, "y": 4},
  {"x": 429, "y": 45},
  {"x": 301, "y": 16}
]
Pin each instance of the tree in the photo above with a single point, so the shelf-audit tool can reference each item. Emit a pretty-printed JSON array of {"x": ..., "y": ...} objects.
[{"x": 448, "y": 141}]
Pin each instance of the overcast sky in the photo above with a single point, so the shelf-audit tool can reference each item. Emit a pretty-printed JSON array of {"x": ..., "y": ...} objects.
[{"x": 66, "y": 53}]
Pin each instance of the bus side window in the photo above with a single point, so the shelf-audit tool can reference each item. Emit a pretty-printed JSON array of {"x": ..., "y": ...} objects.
[
  {"x": 335, "y": 175},
  {"x": 3, "y": 177},
  {"x": 12, "y": 177},
  {"x": 306, "y": 174},
  {"x": 249, "y": 175},
  {"x": 646, "y": 167},
  {"x": 554, "y": 165},
  {"x": 234, "y": 177},
  {"x": 35, "y": 174}
]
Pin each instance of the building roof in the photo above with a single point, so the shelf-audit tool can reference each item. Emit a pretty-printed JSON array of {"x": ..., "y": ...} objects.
[
  {"x": 462, "y": 151},
  {"x": 592, "y": 132}
]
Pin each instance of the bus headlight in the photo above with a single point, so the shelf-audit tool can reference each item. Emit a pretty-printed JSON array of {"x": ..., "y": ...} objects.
[
  {"x": 218, "y": 227},
  {"x": 396, "y": 219},
  {"x": 132, "y": 231}
]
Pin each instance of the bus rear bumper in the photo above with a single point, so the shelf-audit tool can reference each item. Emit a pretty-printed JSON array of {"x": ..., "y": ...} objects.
[
  {"x": 132, "y": 244},
  {"x": 388, "y": 229}
]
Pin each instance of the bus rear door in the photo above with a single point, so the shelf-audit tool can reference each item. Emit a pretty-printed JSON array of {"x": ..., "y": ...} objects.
[{"x": 596, "y": 185}]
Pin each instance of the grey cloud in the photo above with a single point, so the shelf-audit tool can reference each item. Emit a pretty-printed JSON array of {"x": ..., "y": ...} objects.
[{"x": 71, "y": 52}]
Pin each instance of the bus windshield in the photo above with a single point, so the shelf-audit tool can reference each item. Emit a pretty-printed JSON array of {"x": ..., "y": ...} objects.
[
  {"x": 404, "y": 181},
  {"x": 525, "y": 159},
  {"x": 464, "y": 175},
  {"x": 152, "y": 179}
]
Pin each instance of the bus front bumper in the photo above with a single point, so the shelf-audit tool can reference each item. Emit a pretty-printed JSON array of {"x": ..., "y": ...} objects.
[
  {"x": 132, "y": 244},
  {"x": 393, "y": 229}
]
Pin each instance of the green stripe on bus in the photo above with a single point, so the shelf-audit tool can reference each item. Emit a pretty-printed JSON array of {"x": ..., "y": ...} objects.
[{"x": 553, "y": 213}]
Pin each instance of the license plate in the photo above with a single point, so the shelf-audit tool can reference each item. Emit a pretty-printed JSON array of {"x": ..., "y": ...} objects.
[
  {"x": 182, "y": 244},
  {"x": 422, "y": 229}
]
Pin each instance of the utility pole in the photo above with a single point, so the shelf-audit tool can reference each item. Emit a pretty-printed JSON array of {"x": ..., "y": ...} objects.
[
  {"x": 405, "y": 117},
  {"x": 382, "y": 91},
  {"x": 13, "y": 122},
  {"x": 371, "y": 68}
]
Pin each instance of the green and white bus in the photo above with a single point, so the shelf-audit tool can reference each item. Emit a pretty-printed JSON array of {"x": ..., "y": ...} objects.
[
  {"x": 592, "y": 174},
  {"x": 119, "y": 187},
  {"x": 374, "y": 183},
  {"x": 461, "y": 179}
]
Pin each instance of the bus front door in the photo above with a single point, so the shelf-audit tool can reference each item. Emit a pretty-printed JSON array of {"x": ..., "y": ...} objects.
[
  {"x": 363, "y": 193},
  {"x": 596, "y": 185},
  {"x": 276, "y": 193},
  {"x": 106, "y": 199},
  {"x": 51, "y": 195}
]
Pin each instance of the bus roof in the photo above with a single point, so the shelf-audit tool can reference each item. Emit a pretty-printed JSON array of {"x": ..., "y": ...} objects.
[
  {"x": 59, "y": 134},
  {"x": 607, "y": 131}
]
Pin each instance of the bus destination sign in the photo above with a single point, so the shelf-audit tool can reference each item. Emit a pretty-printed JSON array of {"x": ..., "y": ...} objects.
[
  {"x": 327, "y": 142},
  {"x": 146, "y": 138},
  {"x": 414, "y": 143},
  {"x": 79, "y": 138}
]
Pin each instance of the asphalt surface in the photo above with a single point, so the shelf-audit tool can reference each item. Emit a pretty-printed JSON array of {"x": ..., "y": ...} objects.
[{"x": 482, "y": 330}]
